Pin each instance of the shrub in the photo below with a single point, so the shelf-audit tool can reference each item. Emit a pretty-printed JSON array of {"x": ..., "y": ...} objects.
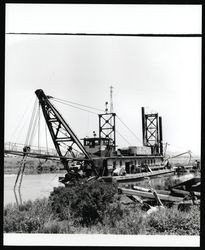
[
  {"x": 173, "y": 221},
  {"x": 55, "y": 226},
  {"x": 131, "y": 223},
  {"x": 51, "y": 227},
  {"x": 12, "y": 219},
  {"x": 85, "y": 202},
  {"x": 95, "y": 207},
  {"x": 29, "y": 217}
]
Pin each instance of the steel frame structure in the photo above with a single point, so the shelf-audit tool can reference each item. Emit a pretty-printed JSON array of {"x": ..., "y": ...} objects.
[
  {"x": 61, "y": 133},
  {"x": 152, "y": 132},
  {"x": 107, "y": 127}
]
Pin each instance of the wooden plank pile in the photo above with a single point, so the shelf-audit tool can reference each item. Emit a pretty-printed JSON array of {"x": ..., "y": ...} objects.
[{"x": 187, "y": 192}]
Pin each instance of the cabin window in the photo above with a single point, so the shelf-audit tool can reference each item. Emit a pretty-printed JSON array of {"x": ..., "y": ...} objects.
[
  {"x": 127, "y": 167},
  {"x": 91, "y": 143},
  {"x": 105, "y": 142},
  {"x": 94, "y": 143},
  {"x": 97, "y": 142}
]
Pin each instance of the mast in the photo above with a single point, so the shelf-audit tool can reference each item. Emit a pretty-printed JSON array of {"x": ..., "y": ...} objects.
[{"x": 111, "y": 99}]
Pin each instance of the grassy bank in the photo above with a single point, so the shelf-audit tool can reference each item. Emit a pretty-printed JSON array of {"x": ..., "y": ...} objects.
[
  {"x": 96, "y": 207},
  {"x": 33, "y": 166}
]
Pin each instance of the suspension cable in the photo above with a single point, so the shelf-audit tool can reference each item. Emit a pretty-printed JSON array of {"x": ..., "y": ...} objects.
[
  {"x": 82, "y": 105},
  {"x": 128, "y": 129}
]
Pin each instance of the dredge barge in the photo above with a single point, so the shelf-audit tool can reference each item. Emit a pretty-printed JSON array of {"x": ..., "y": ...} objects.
[{"x": 99, "y": 156}]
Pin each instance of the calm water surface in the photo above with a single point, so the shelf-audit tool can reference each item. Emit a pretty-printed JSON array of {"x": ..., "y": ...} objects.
[
  {"x": 32, "y": 187},
  {"x": 40, "y": 185}
]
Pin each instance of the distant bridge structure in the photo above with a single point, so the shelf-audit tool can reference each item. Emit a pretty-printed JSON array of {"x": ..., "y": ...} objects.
[{"x": 18, "y": 147}]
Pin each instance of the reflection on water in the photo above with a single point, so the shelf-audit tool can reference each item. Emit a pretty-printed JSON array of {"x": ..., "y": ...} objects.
[
  {"x": 161, "y": 182},
  {"x": 170, "y": 180},
  {"x": 33, "y": 187},
  {"x": 40, "y": 185}
]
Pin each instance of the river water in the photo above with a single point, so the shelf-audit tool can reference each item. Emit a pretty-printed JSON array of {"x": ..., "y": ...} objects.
[
  {"x": 33, "y": 186},
  {"x": 40, "y": 185}
]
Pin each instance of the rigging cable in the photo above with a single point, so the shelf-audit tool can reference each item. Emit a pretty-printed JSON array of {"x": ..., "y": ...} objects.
[
  {"x": 21, "y": 123},
  {"x": 65, "y": 145},
  {"x": 76, "y": 107},
  {"x": 31, "y": 123},
  {"x": 67, "y": 103},
  {"x": 33, "y": 132},
  {"x": 82, "y": 105},
  {"x": 129, "y": 129},
  {"x": 46, "y": 138},
  {"x": 123, "y": 137},
  {"x": 97, "y": 114},
  {"x": 39, "y": 120}
]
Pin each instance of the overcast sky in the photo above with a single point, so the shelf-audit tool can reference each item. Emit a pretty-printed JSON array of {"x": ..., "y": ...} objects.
[{"x": 162, "y": 74}]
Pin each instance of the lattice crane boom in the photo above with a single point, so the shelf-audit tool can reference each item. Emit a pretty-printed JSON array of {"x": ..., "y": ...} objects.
[{"x": 56, "y": 124}]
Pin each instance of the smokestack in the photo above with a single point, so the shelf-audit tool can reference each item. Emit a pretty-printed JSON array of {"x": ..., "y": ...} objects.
[
  {"x": 143, "y": 127},
  {"x": 160, "y": 135}
]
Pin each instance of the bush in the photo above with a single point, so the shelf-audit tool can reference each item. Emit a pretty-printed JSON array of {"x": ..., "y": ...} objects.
[
  {"x": 173, "y": 221},
  {"x": 29, "y": 217},
  {"x": 55, "y": 226},
  {"x": 95, "y": 207},
  {"x": 85, "y": 202},
  {"x": 132, "y": 222}
]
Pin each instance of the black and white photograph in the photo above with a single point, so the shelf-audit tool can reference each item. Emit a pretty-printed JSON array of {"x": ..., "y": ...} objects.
[{"x": 102, "y": 124}]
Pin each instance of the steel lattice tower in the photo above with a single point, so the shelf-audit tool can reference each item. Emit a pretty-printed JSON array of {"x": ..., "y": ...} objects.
[{"x": 152, "y": 132}]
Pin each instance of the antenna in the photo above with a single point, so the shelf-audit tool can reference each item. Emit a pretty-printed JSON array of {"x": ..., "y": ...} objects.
[
  {"x": 106, "y": 109},
  {"x": 111, "y": 101}
]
